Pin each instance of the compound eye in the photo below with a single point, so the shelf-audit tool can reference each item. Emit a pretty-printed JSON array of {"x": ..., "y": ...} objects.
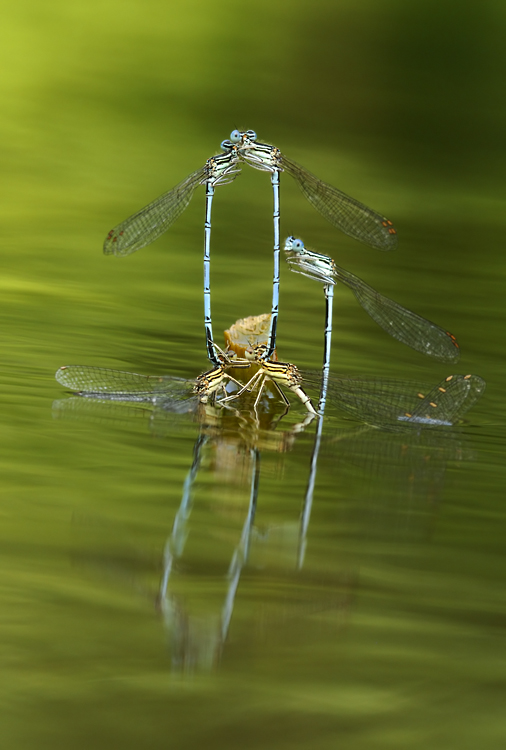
[
  {"x": 226, "y": 145},
  {"x": 251, "y": 135},
  {"x": 297, "y": 244},
  {"x": 235, "y": 136}
]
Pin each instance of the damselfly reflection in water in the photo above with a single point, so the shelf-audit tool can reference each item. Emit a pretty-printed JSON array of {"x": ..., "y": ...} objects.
[
  {"x": 198, "y": 642},
  {"x": 240, "y": 536},
  {"x": 235, "y": 442},
  {"x": 345, "y": 213},
  {"x": 232, "y": 444}
]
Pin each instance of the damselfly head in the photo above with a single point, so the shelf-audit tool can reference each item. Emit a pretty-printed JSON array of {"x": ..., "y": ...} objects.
[
  {"x": 241, "y": 137},
  {"x": 248, "y": 140},
  {"x": 292, "y": 244},
  {"x": 249, "y": 354},
  {"x": 313, "y": 265},
  {"x": 255, "y": 352},
  {"x": 238, "y": 138}
]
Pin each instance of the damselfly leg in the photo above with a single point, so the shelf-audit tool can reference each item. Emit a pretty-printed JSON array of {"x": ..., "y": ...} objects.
[
  {"x": 279, "y": 374},
  {"x": 218, "y": 377}
]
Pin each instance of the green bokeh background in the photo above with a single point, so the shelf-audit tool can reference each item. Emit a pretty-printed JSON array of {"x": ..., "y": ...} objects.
[{"x": 393, "y": 634}]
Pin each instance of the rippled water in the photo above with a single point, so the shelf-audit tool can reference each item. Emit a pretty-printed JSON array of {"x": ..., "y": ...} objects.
[{"x": 170, "y": 580}]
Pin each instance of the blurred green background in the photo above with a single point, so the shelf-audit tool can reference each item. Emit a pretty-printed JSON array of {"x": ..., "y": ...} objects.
[{"x": 105, "y": 105}]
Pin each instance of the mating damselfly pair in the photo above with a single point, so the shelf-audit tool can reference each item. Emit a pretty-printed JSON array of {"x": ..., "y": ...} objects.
[{"x": 346, "y": 213}]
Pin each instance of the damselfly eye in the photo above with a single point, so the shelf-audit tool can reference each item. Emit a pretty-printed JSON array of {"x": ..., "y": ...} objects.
[
  {"x": 251, "y": 135},
  {"x": 235, "y": 136},
  {"x": 298, "y": 245},
  {"x": 226, "y": 145}
]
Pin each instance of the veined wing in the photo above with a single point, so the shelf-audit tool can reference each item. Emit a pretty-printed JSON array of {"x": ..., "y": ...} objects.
[
  {"x": 310, "y": 271},
  {"x": 116, "y": 385},
  {"x": 345, "y": 213},
  {"x": 377, "y": 402},
  {"x": 153, "y": 220},
  {"x": 389, "y": 403},
  {"x": 405, "y": 326},
  {"x": 448, "y": 401}
]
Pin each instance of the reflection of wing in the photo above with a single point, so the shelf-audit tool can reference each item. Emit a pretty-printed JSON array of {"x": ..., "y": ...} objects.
[
  {"x": 387, "y": 403},
  {"x": 99, "y": 382},
  {"x": 154, "y": 219},
  {"x": 345, "y": 213},
  {"x": 397, "y": 477},
  {"x": 100, "y": 411},
  {"x": 177, "y": 420}
]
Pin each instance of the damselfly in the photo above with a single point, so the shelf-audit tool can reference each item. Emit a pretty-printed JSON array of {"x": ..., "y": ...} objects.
[
  {"x": 382, "y": 403},
  {"x": 153, "y": 220},
  {"x": 346, "y": 213},
  {"x": 405, "y": 326}
]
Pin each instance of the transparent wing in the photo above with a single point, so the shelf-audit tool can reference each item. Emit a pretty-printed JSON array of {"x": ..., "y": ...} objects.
[
  {"x": 345, "y": 213},
  {"x": 448, "y": 401},
  {"x": 388, "y": 403},
  {"x": 309, "y": 270},
  {"x": 374, "y": 401},
  {"x": 405, "y": 326},
  {"x": 99, "y": 382},
  {"x": 154, "y": 219}
]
